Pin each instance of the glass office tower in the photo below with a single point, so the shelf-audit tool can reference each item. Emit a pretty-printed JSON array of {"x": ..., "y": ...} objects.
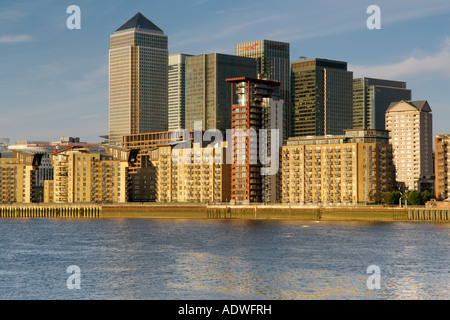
[
  {"x": 372, "y": 97},
  {"x": 177, "y": 101},
  {"x": 322, "y": 97},
  {"x": 208, "y": 96},
  {"x": 138, "y": 71},
  {"x": 273, "y": 63}
]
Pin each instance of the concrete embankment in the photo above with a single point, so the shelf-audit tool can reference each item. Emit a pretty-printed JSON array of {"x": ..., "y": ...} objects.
[
  {"x": 429, "y": 214},
  {"x": 375, "y": 213},
  {"x": 189, "y": 211}
]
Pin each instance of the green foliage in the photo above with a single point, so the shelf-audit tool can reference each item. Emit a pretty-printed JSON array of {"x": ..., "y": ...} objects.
[
  {"x": 412, "y": 197},
  {"x": 427, "y": 196},
  {"x": 392, "y": 198}
]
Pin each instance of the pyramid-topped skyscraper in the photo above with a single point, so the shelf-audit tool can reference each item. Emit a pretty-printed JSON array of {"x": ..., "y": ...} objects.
[
  {"x": 139, "y": 22},
  {"x": 138, "y": 64}
]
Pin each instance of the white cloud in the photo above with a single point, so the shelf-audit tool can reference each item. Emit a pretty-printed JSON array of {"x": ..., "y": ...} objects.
[
  {"x": 437, "y": 63},
  {"x": 92, "y": 116},
  {"x": 16, "y": 38},
  {"x": 90, "y": 80},
  {"x": 218, "y": 32}
]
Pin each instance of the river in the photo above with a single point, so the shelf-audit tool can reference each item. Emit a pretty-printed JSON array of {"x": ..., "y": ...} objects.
[{"x": 222, "y": 259}]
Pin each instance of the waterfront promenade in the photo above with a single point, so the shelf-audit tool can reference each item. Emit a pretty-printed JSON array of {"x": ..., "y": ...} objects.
[{"x": 225, "y": 211}]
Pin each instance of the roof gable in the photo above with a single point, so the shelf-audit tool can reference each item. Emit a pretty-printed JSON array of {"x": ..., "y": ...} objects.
[{"x": 409, "y": 106}]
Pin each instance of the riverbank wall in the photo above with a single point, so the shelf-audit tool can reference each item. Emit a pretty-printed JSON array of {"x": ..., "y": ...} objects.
[
  {"x": 30, "y": 211},
  {"x": 191, "y": 211}
]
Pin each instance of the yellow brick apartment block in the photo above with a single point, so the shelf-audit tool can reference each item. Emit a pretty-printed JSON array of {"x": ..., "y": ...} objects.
[
  {"x": 80, "y": 176},
  {"x": 198, "y": 174},
  {"x": 17, "y": 178},
  {"x": 354, "y": 168}
]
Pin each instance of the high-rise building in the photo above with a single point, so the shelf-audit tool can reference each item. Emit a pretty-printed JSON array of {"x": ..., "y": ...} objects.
[
  {"x": 44, "y": 171},
  {"x": 273, "y": 63},
  {"x": 322, "y": 97},
  {"x": 138, "y": 71},
  {"x": 411, "y": 135},
  {"x": 251, "y": 112},
  {"x": 81, "y": 176},
  {"x": 18, "y": 177},
  {"x": 442, "y": 165},
  {"x": 196, "y": 174},
  {"x": 143, "y": 171},
  {"x": 176, "y": 100},
  {"x": 208, "y": 96},
  {"x": 356, "y": 167},
  {"x": 372, "y": 97}
]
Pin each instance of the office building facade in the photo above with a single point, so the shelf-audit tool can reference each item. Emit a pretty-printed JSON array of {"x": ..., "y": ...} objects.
[
  {"x": 208, "y": 97},
  {"x": 356, "y": 167},
  {"x": 372, "y": 97},
  {"x": 322, "y": 97},
  {"x": 273, "y": 63},
  {"x": 177, "y": 88},
  {"x": 411, "y": 135},
  {"x": 138, "y": 73}
]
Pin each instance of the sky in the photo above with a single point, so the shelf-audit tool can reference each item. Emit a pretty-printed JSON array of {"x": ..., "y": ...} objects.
[{"x": 54, "y": 80}]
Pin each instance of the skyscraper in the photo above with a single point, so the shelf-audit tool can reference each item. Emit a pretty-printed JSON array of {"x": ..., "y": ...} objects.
[
  {"x": 410, "y": 124},
  {"x": 322, "y": 97},
  {"x": 251, "y": 112},
  {"x": 273, "y": 63},
  {"x": 138, "y": 65},
  {"x": 372, "y": 97},
  {"x": 177, "y": 68},
  {"x": 208, "y": 96}
]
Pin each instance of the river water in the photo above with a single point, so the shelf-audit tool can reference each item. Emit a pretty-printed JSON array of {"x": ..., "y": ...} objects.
[{"x": 222, "y": 259}]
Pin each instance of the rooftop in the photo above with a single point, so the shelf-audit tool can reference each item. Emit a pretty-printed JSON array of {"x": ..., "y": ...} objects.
[
  {"x": 406, "y": 105},
  {"x": 139, "y": 21}
]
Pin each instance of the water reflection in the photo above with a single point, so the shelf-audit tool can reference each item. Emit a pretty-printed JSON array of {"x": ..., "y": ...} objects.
[
  {"x": 222, "y": 259},
  {"x": 237, "y": 278}
]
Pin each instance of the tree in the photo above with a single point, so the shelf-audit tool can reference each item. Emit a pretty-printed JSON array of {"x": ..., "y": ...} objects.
[
  {"x": 413, "y": 197},
  {"x": 392, "y": 197},
  {"x": 427, "y": 196}
]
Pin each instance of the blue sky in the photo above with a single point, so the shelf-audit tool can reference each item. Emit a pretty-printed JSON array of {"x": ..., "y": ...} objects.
[{"x": 54, "y": 81}]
